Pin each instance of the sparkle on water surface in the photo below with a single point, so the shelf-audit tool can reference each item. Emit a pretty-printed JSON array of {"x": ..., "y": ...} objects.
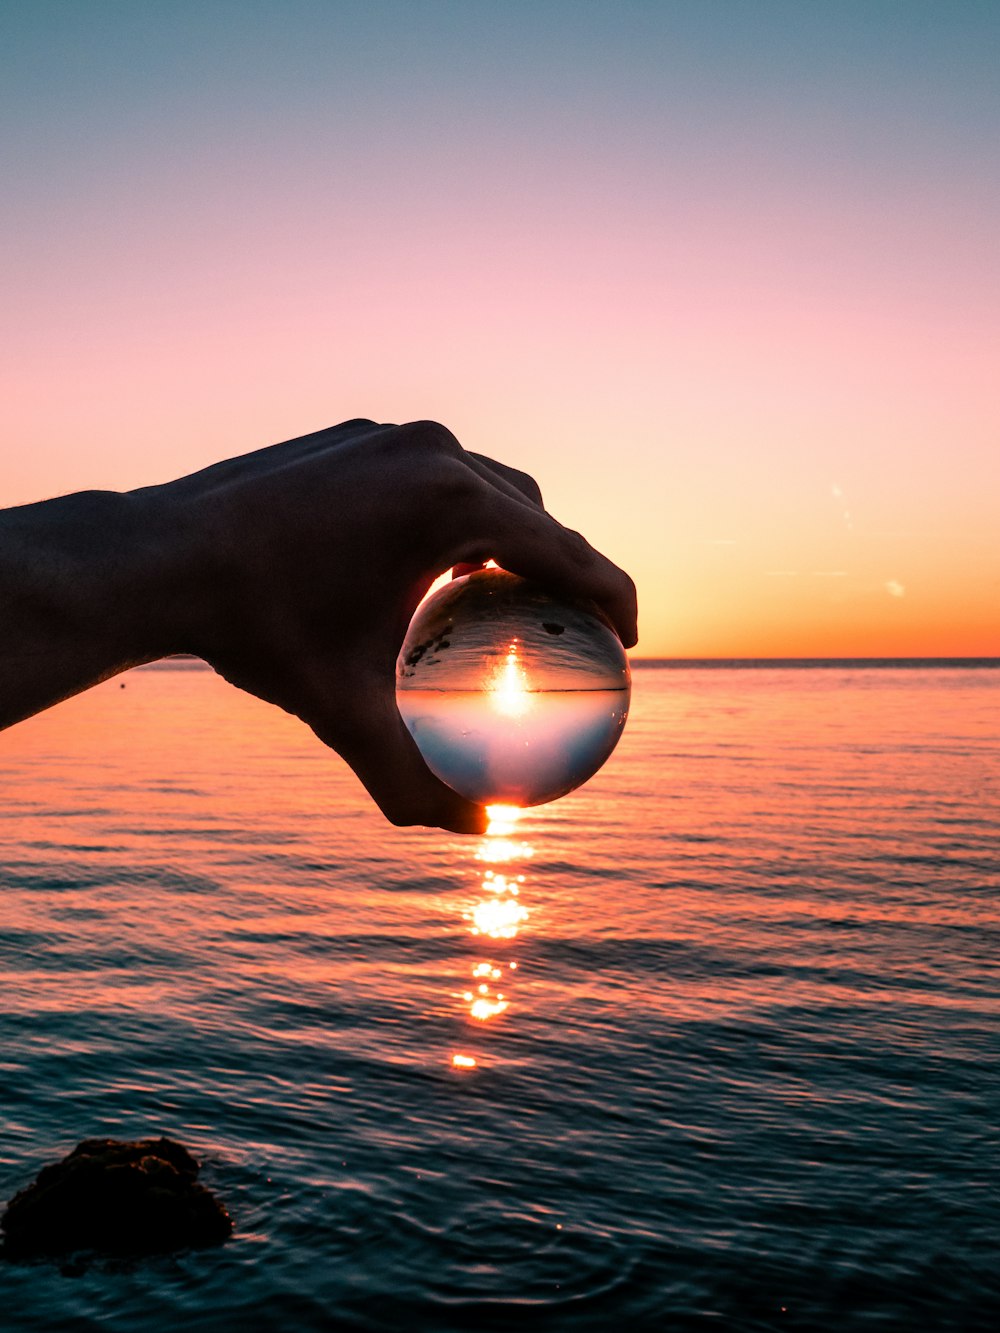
[
  {"x": 746, "y": 1077},
  {"x": 496, "y": 913}
]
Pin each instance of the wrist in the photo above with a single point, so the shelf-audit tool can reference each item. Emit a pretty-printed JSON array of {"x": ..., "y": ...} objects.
[
  {"x": 172, "y": 577},
  {"x": 103, "y": 575},
  {"x": 90, "y": 585},
  {"x": 112, "y": 572}
]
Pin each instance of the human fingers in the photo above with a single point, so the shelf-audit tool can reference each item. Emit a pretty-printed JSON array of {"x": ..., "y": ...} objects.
[
  {"x": 516, "y": 484},
  {"x": 434, "y": 441},
  {"x": 367, "y": 731},
  {"x": 564, "y": 556},
  {"x": 526, "y": 540},
  {"x": 511, "y": 479}
]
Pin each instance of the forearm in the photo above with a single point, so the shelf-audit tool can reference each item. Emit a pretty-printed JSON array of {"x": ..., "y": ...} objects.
[
  {"x": 87, "y": 589},
  {"x": 293, "y": 571}
]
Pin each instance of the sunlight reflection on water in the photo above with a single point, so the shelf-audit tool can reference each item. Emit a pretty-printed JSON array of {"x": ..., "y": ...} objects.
[
  {"x": 497, "y": 914},
  {"x": 748, "y": 1049}
]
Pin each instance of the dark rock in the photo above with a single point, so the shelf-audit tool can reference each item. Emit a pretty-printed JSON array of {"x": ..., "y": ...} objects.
[{"x": 118, "y": 1197}]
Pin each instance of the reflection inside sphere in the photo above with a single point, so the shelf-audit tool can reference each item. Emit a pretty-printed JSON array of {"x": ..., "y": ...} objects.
[{"x": 511, "y": 695}]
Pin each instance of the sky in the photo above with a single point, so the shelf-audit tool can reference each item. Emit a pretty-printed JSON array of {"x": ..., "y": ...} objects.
[{"x": 725, "y": 277}]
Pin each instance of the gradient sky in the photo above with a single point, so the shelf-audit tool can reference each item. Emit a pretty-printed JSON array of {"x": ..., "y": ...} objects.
[{"x": 725, "y": 276}]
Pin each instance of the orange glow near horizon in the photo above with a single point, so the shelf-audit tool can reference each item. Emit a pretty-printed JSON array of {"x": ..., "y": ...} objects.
[{"x": 745, "y": 340}]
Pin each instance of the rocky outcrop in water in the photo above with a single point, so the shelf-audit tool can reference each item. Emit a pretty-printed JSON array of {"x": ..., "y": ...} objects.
[{"x": 118, "y": 1197}]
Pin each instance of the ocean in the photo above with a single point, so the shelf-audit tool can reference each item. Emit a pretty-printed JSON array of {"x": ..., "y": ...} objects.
[{"x": 711, "y": 1043}]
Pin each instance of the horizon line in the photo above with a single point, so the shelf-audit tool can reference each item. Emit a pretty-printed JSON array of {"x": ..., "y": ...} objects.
[
  {"x": 872, "y": 660},
  {"x": 647, "y": 662}
]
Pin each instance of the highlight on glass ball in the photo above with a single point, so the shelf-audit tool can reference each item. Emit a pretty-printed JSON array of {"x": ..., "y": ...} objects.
[{"x": 513, "y": 696}]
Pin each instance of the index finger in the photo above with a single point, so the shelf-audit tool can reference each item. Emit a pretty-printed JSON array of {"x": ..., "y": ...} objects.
[
  {"x": 526, "y": 540},
  {"x": 511, "y": 479}
]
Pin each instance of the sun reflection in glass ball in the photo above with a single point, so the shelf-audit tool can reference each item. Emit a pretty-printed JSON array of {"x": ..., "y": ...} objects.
[{"x": 512, "y": 695}]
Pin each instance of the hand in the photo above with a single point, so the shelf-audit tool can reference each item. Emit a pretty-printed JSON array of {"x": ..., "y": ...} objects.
[{"x": 305, "y": 562}]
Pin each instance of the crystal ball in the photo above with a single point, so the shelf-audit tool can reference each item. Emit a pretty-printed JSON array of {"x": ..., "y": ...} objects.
[{"x": 513, "y": 696}]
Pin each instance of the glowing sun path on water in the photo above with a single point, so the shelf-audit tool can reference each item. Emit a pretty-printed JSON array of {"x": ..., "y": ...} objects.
[{"x": 498, "y": 915}]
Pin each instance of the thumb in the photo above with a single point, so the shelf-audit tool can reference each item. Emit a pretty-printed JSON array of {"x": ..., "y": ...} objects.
[{"x": 364, "y": 727}]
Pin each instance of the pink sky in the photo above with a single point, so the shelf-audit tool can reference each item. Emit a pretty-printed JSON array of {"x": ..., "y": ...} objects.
[{"x": 742, "y": 325}]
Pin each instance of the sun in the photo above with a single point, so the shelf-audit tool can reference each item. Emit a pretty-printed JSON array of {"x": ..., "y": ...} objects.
[{"x": 508, "y": 688}]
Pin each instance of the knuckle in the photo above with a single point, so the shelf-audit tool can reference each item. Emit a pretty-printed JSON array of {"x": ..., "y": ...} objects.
[
  {"x": 456, "y": 490},
  {"x": 578, "y": 548},
  {"x": 453, "y": 493},
  {"x": 528, "y": 486},
  {"x": 432, "y": 435},
  {"x": 355, "y": 423}
]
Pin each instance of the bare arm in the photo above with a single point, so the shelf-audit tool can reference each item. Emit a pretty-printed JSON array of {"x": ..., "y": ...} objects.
[
  {"x": 88, "y": 588},
  {"x": 294, "y": 571}
]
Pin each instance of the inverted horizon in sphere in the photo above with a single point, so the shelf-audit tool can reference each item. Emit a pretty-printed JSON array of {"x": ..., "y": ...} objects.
[{"x": 511, "y": 695}]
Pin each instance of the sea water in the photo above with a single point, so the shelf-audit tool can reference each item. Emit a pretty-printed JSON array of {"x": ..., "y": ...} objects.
[{"x": 737, "y": 1065}]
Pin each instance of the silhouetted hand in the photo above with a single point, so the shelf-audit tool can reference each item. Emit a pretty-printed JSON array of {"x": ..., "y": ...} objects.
[{"x": 295, "y": 571}]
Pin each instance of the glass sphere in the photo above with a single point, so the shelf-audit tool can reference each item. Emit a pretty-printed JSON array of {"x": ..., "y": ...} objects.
[{"x": 513, "y": 696}]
